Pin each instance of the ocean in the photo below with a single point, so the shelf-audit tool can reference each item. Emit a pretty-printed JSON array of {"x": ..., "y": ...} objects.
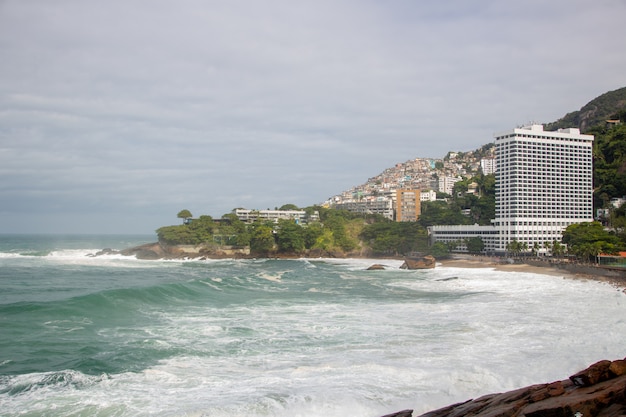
[{"x": 117, "y": 336}]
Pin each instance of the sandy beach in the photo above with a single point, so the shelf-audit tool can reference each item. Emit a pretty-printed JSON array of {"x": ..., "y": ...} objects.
[{"x": 484, "y": 262}]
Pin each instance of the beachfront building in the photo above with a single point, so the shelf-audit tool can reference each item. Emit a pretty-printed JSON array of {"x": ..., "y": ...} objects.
[
  {"x": 299, "y": 216},
  {"x": 408, "y": 205},
  {"x": 457, "y": 235},
  {"x": 543, "y": 184}
]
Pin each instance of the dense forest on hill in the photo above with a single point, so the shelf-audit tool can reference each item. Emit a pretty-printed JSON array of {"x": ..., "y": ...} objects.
[{"x": 342, "y": 233}]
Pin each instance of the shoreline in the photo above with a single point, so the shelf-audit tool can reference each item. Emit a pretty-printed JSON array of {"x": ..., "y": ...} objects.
[
  {"x": 547, "y": 269},
  {"x": 615, "y": 277}
]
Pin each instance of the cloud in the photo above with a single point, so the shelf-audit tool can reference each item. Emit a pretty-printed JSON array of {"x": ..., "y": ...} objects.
[{"x": 115, "y": 115}]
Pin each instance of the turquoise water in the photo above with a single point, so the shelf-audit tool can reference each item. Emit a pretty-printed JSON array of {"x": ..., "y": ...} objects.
[{"x": 116, "y": 336}]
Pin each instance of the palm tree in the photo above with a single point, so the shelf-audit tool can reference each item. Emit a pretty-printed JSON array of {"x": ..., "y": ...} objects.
[
  {"x": 535, "y": 248},
  {"x": 557, "y": 249}
]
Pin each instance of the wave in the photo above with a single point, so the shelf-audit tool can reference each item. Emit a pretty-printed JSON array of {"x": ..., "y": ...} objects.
[
  {"x": 33, "y": 382},
  {"x": 23, "y": 254}
]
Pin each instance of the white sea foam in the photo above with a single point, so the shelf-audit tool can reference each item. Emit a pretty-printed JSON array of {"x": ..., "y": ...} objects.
[
  {"x": 361, "y": 263},
  {"x": 431, "y": 338}
]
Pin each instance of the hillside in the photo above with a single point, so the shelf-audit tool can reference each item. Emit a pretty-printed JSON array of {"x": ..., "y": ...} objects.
[
  {"x": 426, "y": 173},
  {"x": 611, "y": 105}
]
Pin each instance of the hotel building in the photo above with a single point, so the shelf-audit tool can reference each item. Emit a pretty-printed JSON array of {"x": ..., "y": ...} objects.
[{"x": 543, "y": 184}]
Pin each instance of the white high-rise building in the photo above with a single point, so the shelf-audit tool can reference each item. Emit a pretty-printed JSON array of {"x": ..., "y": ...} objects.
[{"x": 543, "y": 184}]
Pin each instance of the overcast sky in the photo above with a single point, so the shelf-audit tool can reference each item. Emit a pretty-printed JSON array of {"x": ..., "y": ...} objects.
[{"x": 115, "y": 115}]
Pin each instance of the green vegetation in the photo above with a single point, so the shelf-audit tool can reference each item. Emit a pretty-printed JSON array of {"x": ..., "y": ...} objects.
[
  {"x": 338, "y": 231},
  {"x": 475, "y": 245},
  {"x": 395, "y": 238},
  {"x": 609, "y": 164},
  {"x": 587, "y": 240}
]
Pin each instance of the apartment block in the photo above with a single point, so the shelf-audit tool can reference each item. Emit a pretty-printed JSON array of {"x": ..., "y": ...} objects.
[
  {"x": 488, "y": 165},
  {"x": 408, "y": 205},
  {"x": 446, "y": 184},
  {"x": 382, "y": 206}
]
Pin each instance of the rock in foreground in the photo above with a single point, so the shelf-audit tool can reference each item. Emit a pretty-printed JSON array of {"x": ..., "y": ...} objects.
[{"x": 598, "y": 391}]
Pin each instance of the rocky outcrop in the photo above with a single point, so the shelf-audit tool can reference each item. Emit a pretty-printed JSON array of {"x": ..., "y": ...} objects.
[
  {"x": 403, "y": 413},
  {"x": 418, "y": 262},
  {"x": 147, "y": 251},
  {"x": 598, "y": 391},
  {"x": 158, "y": 250}
]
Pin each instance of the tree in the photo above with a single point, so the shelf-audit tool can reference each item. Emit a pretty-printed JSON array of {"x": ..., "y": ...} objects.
[
  {"x": 203, "y": 228},
  {"x": 395, "y": 237},
  {"x": 440, "y": 250},
  {"x": 176, "y": 235},
  {"x": 311, "y": 234},
  {"x": 441, "y": 213},
  {"x": 290, "y": 236},
  {"x": 238, "y": 229},
  {"x": 535, "y": 248},
  {"x": 557, "y": 248},
  {"x": 475, "y": 244},
  {"x": 516, "y": 247},
  {"x": 184, "y": 214},
  {"x": 588, "y": 239},
  {"x": 262, "y": 238}
]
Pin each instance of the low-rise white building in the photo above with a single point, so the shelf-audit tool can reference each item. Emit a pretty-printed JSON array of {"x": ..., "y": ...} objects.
[
  {"x": 428, "y": 195},
  {"x": 299, "y": 216}
]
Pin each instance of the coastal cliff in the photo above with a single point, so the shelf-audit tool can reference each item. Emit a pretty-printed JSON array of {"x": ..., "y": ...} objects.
[{"x": 598, "y": 391}]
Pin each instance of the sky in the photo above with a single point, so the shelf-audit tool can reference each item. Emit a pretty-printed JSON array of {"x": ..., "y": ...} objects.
[{"x": 115, "y": 115}]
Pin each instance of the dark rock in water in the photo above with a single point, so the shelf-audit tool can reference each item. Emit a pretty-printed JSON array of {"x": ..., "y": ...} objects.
[
  {"x": 448, "y": 279},
  {"x": 598, "y": 391},
  {"x": 376, "y": 267},
  {"x": 403, "y": 413},
  {"x": 418, "y": 262},
  {"x": 148, "y": 251},
  {"x": 106, "y": 251}
]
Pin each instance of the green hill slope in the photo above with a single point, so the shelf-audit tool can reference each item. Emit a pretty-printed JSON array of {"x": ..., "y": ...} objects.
[{"x": 611, "y": 105}]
